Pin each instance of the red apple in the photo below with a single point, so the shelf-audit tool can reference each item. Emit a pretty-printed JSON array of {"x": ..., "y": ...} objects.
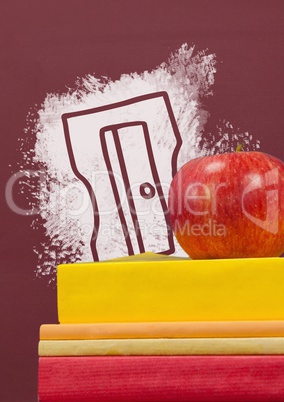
[{"x": 229, "y": 206}]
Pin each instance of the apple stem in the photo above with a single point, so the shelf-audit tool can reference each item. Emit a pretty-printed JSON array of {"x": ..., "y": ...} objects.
[{"x": 239, "y": 147}]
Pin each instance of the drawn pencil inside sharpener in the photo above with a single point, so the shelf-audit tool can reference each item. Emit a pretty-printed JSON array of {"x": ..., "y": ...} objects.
[{"x": 125, "y": 154}]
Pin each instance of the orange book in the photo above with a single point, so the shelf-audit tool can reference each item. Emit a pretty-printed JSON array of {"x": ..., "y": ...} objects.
[{"x": 194, "y": 329}]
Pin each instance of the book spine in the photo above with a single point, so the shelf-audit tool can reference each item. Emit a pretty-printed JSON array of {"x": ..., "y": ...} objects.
[
  {"x": 161, "y": 347},
  {"x": 184, "y": 290},
  {"x": 194, "y": 329},
  {"x": 161, "y": 379}
]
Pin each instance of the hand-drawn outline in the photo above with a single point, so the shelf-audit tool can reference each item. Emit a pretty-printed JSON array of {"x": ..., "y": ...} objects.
[{"x": 114, "y": 128}]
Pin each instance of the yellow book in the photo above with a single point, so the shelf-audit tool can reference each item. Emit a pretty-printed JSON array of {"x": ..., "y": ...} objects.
[
  {"x": 163, "y": 347},
  {"x": 150, "y": 287}
]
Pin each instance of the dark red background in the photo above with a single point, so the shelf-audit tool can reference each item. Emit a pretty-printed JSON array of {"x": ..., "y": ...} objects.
[{"x": 46, "y": 45}]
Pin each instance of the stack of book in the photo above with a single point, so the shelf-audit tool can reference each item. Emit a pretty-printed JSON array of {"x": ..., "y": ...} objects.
[{"x": 160, "y": 328}]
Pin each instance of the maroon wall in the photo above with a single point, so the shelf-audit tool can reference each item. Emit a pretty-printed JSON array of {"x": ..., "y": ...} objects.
[{"x": 46, "y": 45}]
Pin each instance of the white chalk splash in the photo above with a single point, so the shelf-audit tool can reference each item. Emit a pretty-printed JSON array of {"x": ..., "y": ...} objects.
[
  {"x": 60, "y": 198},
  {"x": 226, "y": 138}
]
